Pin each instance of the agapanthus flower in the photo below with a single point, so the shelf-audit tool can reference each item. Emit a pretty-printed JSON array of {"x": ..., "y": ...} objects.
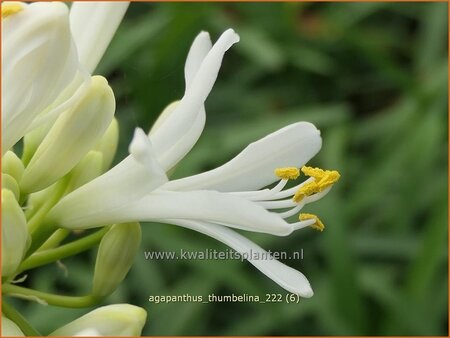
[
  {"x": 65, "y": 116},
  {"x": 231, "y": 196}
]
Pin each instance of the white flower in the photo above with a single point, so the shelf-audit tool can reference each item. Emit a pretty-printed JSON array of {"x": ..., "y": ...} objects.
[
  {"x": 42, "y": 73},
  {"x": 112, "y": 320},
  {"x": 233, "y": 195}
]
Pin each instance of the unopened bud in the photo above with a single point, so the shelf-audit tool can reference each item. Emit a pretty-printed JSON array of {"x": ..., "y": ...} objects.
[
  {"x": 108, "y": 144},
  {"x": 73, "y": 135},
  {"x": 111, "y": 320},
  {"x": 14, "y": 233},
  {"x": 12, "y": 165},
  {"x": 115, "y": 257},
  {"x": 89, "y": 168},
  {"x": 8, "y": 182}
]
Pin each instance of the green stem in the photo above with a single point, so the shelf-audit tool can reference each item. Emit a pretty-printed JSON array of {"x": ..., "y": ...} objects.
[
  {"x": 39, "y": 237},
  {"x": 51, "y": 299},
  {"x": 36, "y": 220},
  {"x": 44, "y": 257},
  {"x": 20, "y": 321},
  {"x": 55, "y": 239}
]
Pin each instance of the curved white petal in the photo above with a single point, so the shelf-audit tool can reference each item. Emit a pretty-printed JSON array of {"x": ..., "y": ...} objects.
[
  {"x": 105, "y": 198},
  {"x": 286, "y": 277},
  {"x": 253, "y": 168},
  {"x": 39, "y": 62},
  {"x": 210, "y": 206},
  {"x": 197, "y": 53},
  {"x": 93, "y": 25},
  {"x": 183, "y": 120}
]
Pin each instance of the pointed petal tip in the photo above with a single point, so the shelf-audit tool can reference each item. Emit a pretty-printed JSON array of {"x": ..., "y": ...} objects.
[{"x": 139, "y": 144}]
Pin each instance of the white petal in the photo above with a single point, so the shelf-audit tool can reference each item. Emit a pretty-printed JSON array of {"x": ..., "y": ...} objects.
[
  {"x": 106, "y": 198},
  {"x": 184, "y": 118},
  {"x": 74, "y": 133},
  {"x": 253, "y": 168},
  {"x": 93, "y": 25},
  {"x": 198, "y": 51},
  {"x": 211, "y": 206},
  {"x": 111, "y": 320},
  {"x": 285, "y": 276},
  {"x": 39, "y": 61}
]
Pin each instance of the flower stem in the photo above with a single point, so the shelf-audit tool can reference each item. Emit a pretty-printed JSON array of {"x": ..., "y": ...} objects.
[
  {"x": 47, "y": 256},
  {"x": 20, "y": 321},
  {"x": 55, "y": 239},
  {"x": 39, "y": 237},
  {"x": 49, "y": 298}
]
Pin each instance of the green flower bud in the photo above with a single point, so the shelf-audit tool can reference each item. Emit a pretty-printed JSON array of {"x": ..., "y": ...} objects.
[
  {"x": 89, "y": 168},
  {"x": 8, "y": 182},
  {"x": 115, "y": 257},
  {"x": 32, "y": 140},
  {"x": 10, "y": 329},
  {"x": 12, "y": 165},
  {"x": 73, "y": 135},
  {"x": 108, "y": 144},
  {"x": 15, "y": 238},
  {"x": 112, "y": 320}
]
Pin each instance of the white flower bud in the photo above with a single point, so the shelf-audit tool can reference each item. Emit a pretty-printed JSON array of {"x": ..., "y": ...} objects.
[
  {"x": 15, "y": 238},
  {"x": 73, "y": 135},
  {"x": 115, "y": 257},
  {"x": 108, "y": 144},
  {"x": 89, "y": 168},
  {"x": 111, "y": 320}
]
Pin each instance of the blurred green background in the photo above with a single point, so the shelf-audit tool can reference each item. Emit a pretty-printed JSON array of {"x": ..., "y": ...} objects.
[{"x": 373, "y": 78}]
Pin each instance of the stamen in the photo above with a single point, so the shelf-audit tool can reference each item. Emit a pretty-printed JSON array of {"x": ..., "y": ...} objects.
[
  {"x": 10, "y": 9},
  {"x": 262, "y": 195},
  {"x": 318, "y": 225},
  {"x": 292, "y": 212},
  {"x": 306, "y": 190},
  {"x": 322, "y": 180},
  {"x": 288, "y": 203},
  {"x": 288, "y": 173}
]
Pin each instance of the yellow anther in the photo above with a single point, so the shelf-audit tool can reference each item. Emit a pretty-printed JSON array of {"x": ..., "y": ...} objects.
[
  {"x": 306, "y": 190},
  {"x": 318, "y": 225},
  {"x": 10, "y": 9},
  {"x": 331, "y": 177},
  {"x": 323, "y": 178},
  {"x": 313, "y": 172},
  {"x": 288, "y": 173}
]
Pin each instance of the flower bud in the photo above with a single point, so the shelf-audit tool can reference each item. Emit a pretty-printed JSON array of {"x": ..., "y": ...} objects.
[
  {"x": 110, "y": 320},
  {"x": 10, "y": 329},
  {"x": 12, "y": 165},
  {"x": 39, "y": 60},
  {"x": 32, "y": 140},
  {"x": 89, "y": 168},
  {"x": 108, "y": 144},
  {"x": 15, "y": 238},
  {"x": 73, "y": 135},
  {"x": 115, "y": 257},
  {"x": 8, "y": 182}
]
